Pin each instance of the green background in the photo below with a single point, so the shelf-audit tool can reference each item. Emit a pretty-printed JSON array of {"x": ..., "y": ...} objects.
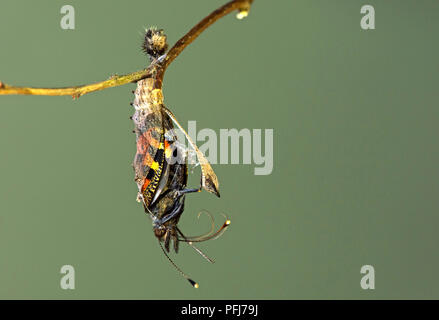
[{"x": 355, "y": 177}]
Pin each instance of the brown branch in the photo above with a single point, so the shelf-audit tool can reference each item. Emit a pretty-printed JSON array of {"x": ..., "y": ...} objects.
[
  {"x": 155, "y": 70},
  {"x": 77, "y": 91},
  {"x": 243, "y": 6}
]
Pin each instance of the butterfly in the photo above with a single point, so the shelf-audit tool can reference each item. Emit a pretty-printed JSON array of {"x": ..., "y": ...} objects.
[{"x": 160, "y": 163}]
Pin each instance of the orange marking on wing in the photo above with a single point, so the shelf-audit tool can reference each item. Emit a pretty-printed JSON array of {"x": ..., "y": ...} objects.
[
  {"x": 168, "y": 149},
  {"x": 145, "y": 184},
  {"x": 148, "y": 160}
]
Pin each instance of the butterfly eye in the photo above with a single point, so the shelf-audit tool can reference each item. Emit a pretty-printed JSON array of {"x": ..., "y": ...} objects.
[{"x": 159, "y": 232}]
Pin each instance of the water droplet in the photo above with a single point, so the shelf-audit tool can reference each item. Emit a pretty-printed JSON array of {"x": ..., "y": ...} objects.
[{"x": 242, "y": 14}]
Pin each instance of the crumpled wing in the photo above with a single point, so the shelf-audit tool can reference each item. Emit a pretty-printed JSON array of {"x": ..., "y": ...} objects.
[
  {"x": 209, "y": 180},
  {"x": 149, "y": 160}
]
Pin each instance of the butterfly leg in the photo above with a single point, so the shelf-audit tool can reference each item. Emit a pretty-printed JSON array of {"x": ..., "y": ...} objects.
[
  {"x": 181, "y": 192},
  {"x": 192, "y": 190}
]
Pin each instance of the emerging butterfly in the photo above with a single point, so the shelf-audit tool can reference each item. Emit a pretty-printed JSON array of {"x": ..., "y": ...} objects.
[{"x": 160, "y": 165}]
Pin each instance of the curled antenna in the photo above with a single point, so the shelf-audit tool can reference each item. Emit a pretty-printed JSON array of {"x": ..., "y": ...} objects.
[
  {"x": 209, "y": 235},
  {"x": 212, "y": 224},
  {"x": 192, "y": 282}
]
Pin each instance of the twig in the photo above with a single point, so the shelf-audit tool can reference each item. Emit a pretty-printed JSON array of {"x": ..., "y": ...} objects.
[
  {"x": 77, "y": 91},
  {"x": 243, "y": 6},
  {"x": 155, "y": 70}
]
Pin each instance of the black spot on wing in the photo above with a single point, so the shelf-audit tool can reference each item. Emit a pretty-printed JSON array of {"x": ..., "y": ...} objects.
[{"x": 151, "y": 174}]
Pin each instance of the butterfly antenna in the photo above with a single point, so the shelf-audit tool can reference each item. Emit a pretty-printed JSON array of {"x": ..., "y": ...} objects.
[
  {"x": 209, "y": 236},
  {"x": 192, "y": 282},
  {"x": 201, "y": 253}
]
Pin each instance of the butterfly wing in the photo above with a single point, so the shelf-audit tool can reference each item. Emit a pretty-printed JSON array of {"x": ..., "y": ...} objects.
[
  {"x": 149, "y": 161},
  {"x": 209, "y": 180}
]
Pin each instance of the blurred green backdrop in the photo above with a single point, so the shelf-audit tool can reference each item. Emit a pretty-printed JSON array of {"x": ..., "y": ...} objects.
[{"x": 355, "y": 179}]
